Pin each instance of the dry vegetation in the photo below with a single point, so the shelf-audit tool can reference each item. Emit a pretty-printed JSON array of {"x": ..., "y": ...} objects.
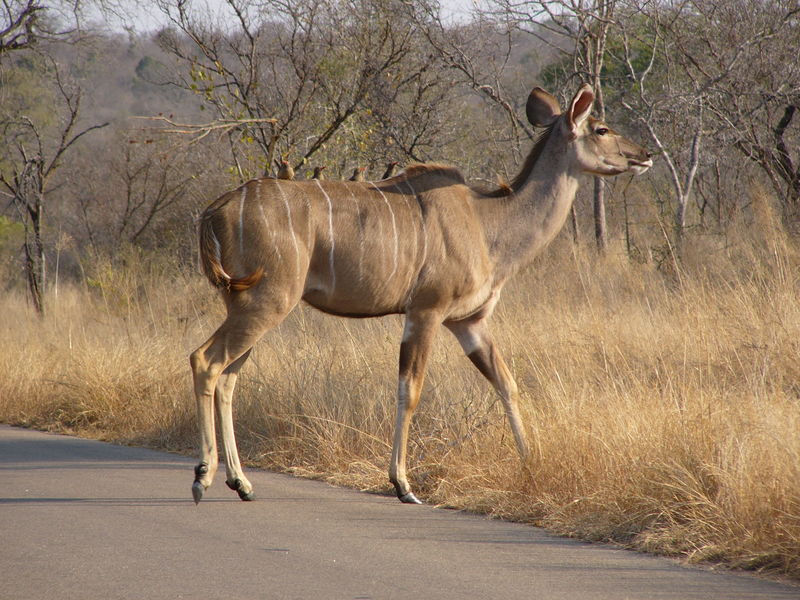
[{"x": 662, "y": 404}]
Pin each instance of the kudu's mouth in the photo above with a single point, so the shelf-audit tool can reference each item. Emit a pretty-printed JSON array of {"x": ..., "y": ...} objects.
[
  {"x": 638, "y": 161},
  {"x": 630, "y": 165},
  {"x": 637, "y": 167}
]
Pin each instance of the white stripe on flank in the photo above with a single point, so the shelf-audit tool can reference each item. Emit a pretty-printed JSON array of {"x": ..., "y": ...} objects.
[
  {"x": 241, "y": 219},
  {"x": 218, "y": 252},
  {"x": 394, "y": 228},
  {"x": 411, "y": 217},
  {"x": 422, "y": 220},
  {"x": 418, "y": 270},
  {"x": 330, "y": 231},
  {"x": 271, "y": 232},
  {"x": 309, "y": 230},
  {"x": 291, "y": 228},
  {"x": 360, "y": 238}
]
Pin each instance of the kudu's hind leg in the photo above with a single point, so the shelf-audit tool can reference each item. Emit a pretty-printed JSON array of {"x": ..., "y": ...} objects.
[
  {"x": 215, "y": 366},
  {"x": 476, "y": 341},
  {"x": 205, "y": 375},
  {"x": 223, "y": 398},
  {"x": 420, "y": 331}
]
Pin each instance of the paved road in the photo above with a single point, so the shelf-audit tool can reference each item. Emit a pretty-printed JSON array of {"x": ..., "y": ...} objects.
[{"x": 87, "y": 520}]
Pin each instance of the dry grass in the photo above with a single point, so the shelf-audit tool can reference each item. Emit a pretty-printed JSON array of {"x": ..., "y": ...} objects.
[{"x": 663, "y": 408}]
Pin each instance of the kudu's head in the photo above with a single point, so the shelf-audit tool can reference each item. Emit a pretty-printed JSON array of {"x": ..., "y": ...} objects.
[{"x": 596, "y": 148}]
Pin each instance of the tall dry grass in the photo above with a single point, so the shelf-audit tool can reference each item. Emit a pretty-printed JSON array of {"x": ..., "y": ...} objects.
[{"x": 663, "y": 405}]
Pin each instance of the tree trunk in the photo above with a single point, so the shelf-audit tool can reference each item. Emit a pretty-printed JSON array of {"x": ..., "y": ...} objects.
[
  {"x": 600, "y": 234},
  {"x": 685, "y": 191},
  {"x": 602, "y": 19},
  {"x": 680, "y": 222},
  {"x": 786, "y": 167},
  {"x": 35, "y": 262}
]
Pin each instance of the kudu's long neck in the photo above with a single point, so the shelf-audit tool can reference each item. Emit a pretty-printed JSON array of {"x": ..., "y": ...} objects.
[{"x": 519, "y": 225}]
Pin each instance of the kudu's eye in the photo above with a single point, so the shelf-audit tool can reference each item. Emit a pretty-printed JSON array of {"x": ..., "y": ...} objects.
[{"x": 601, "y": 130}]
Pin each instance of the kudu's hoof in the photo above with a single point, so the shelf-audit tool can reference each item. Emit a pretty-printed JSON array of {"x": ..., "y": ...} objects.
[
  {"x": 237, "y": 487},
  {"x": 409, "y": 498},
  {"x": 197, "y": 492},
  {"x": 197, "y": 487}
]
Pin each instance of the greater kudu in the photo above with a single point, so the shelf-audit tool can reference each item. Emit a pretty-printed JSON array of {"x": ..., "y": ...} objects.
[{"x": 422, "y": 243}]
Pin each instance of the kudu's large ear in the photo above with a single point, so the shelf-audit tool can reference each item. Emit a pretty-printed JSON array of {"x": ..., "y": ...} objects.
[
  {"x": 580, "y": 107},
  {"x": 542, "y": 108}
]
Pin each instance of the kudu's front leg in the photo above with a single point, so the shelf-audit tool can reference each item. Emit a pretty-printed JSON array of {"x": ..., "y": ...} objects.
[
  {"x": 476, "y": 341},
  {"x": 418, "y": 336}
]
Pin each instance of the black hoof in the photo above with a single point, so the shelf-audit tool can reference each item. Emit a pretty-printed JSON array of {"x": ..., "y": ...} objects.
[
  {"x": 198, "y": 488},
  {"x": 197, "y": 492},
  {"x": 409, "y": 498},
  {"x": 246, "y": 496},
  {"x": 236, "y": 486}
]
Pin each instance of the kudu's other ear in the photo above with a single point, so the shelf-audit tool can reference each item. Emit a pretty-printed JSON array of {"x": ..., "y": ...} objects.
[
  {"x": 580, "y": 107},
  {"x": 542, "y": 108}
]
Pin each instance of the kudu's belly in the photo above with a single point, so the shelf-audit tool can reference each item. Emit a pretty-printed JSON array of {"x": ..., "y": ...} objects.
[{"x": 361, "y": 280}]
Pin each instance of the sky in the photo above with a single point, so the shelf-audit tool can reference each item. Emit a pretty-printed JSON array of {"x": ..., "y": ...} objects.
[{"x": 144, "y": 16}]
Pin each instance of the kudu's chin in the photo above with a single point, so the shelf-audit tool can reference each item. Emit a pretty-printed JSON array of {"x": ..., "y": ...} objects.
[{"x": 608, "y": 170}]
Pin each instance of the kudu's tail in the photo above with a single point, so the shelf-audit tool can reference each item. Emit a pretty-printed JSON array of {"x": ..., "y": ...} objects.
[{"x": 210, "y": 259}]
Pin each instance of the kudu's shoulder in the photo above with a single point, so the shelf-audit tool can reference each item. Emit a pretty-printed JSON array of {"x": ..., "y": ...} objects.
[
  {"x": 433, "y": 171},
  {"x": 430, "y": 183}
]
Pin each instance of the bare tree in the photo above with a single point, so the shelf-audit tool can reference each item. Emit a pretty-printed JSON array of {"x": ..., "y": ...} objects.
[
  {"x": 411, "y": 114},
  {"x": 481, "y": 53},
  {"x": 20, "y": 20},
  {"x": 668, "y": 105},
  {"x": 753, "y": 77},
  {"x": 697, "y": 74},
  {"x": 784, "y": 161},
  {"x": 24, "y": 24},
  {"x": 311, "y": 66},
  {"x": 32, "y": 157}
]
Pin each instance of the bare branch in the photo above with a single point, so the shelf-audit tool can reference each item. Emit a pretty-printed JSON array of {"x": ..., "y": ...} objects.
[{"x": 198, "y": 131}]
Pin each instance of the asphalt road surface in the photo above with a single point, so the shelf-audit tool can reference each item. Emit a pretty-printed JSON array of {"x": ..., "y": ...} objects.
[{"x": 87, "y": 520}]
